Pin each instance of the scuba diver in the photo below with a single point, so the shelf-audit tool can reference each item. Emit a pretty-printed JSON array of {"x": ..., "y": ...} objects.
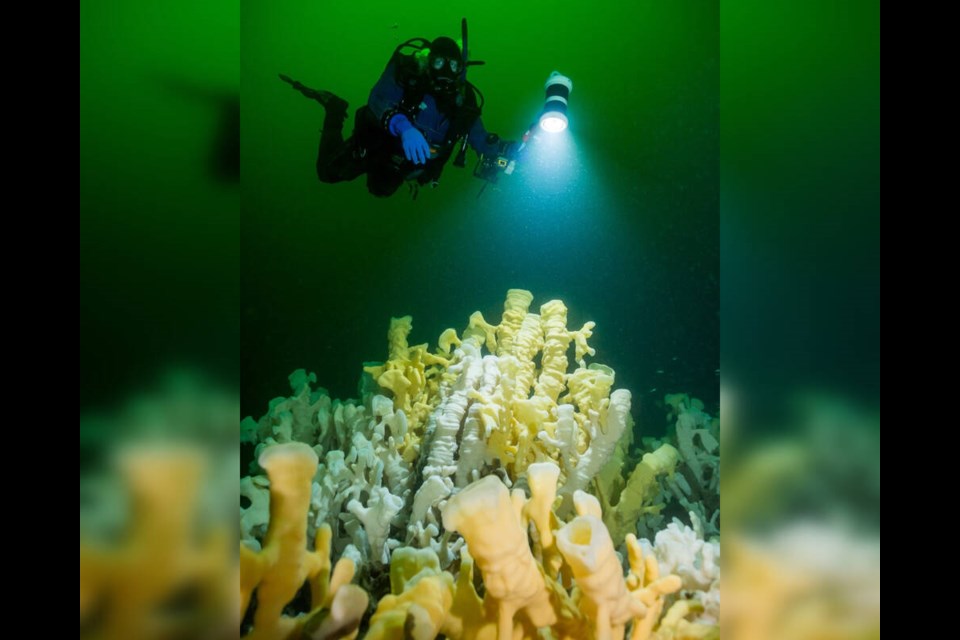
[{"x": 420, "y": 112}]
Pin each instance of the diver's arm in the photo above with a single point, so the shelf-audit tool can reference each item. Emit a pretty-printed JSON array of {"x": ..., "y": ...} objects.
[
  {"x": 479, "y": 139},
  {"x": 385, "y": 97},
  {"x": 415, "y": 146},
  {"x": 385, "y": 100},
  {"x": 485, "y": 143}
]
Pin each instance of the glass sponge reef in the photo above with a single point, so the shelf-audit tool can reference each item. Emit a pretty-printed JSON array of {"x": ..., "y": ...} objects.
[{"x": 477, "y": 490}]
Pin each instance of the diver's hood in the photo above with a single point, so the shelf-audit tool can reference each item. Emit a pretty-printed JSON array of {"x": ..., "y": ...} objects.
[{"x": 445, "y": 65}]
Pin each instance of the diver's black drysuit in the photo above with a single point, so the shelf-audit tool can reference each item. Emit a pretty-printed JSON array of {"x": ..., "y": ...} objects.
[{"x": 403, "y": 88}]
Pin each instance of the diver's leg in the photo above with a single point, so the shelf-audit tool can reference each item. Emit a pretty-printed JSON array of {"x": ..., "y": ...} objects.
[
  {"x": 332, "y": 151},
  {"x": 328, "y": 99},
  {"x": 336, "y": 160}
]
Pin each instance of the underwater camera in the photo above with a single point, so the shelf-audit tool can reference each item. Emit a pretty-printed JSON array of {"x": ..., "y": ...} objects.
[{"x": 489, "y": 166}]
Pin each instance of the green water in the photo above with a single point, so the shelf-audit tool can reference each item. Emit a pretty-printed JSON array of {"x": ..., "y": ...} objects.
[
  {"x": 159, "y": 225},
  {"x": 622, "y": 225},
  {"x": 186, "y": 259}
]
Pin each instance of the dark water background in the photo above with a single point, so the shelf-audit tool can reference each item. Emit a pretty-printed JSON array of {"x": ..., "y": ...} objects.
[{"x": 620, "y": 220}]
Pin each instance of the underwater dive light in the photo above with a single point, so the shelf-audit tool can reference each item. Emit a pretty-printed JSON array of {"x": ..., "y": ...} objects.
[{"x": 554, "y": 116}]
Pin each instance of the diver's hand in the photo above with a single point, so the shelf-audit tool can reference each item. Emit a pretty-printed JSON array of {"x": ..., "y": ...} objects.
[{"x": 415, "y": 146}]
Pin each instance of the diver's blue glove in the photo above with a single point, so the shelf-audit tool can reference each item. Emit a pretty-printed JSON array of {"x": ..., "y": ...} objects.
[{"x": 415, "y": 146}]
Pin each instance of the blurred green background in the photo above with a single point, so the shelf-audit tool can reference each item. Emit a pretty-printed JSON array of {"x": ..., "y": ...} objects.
[
  {"x": 800, "y": 203},
  {"x": 159, "y": 193}
]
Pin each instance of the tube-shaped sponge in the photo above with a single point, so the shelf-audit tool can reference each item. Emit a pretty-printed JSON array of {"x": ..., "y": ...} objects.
[
  {"x": 485, "y": 516},
  {"x": 588, "y": 549}
]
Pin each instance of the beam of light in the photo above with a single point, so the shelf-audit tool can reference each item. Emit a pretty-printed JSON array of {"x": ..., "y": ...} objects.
[
  {"x": 555, "y": 188},
  {"x": 552, "y": 161}
]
